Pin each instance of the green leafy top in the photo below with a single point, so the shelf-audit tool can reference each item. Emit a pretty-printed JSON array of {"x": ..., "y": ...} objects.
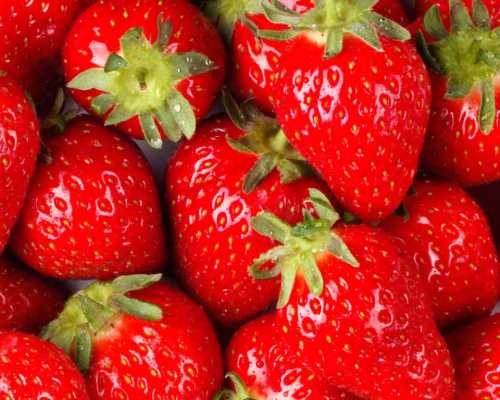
[
  {"x": 91, "y": 310},
  {"x": 333, "y": 19},
  {"x": 300, "y": 246},
  {"x": 240, "y": 391},
  {"x": 265, "y": 139},
  {"x": 468, "y": 54},
  {"x": 140, "y": 81}
]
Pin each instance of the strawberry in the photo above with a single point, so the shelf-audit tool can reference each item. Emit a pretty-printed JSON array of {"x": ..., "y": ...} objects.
[
  {"x": 488, "y": 197},
  {"x": 150, "y": 67},
  {"x": 33, "y": 369},
  {"x": 256, "y": 62},
  {"x": 265, "y": 367},
  {"x": 32, "y": 34},
  {"x": 352, "y": 298},
  {"x": 215, "y": 183},
  {"x": 354, "y": 105},
  {"x": 93, "y": 210},
  {"x": 19, "y": 145},
  {"x": 447, "y": 235},
  {"x": 475, "y": 350},
  {"x": 154, "y": 343},
  {"x": 27, "y": 301},
  {"x": 464, "y": 132}
]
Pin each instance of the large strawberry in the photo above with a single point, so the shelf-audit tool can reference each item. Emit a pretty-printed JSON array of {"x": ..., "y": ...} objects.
[
  {"x": 27, "y": 301},
  {"x": 151, "y": 67},
  {"x": 354, "y": 105},
  {"x": 93, "y": 210},
  {"x": 264, "y": 366},
  {"x": 216, "y": 183},
  {"x": 153, "y": 343},
  {"x": 32, "y": 35},
  {"x": 463, "y": 53},
  {"x": 352, "y": 298},
  {"x": 448, "y": 237},
  {"x": 475, "y": 350},
  {"x": 31, "y": 368},
  {"x": 256, "y": 62},
  {"x": 19, "y": 145}
]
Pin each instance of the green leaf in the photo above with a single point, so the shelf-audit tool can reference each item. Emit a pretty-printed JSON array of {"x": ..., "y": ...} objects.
[
  {"x": 264, "y": 165},
  {"x": 83, "y": 347},
  {"x": 458, "y": 88},
  {"x": 334, "y": 42},
  {"x": 288, "y": 276},
  {"x": 388, "y": 27},
  {"x": 426, "y": 54},
  {"x": 233, "y": 110},
  {"x": 103, "y": 103},
  {"x": 480, "y": 15},
  {"x": 118, "y": 115},
  {"x": 271, "y": 226},
  {"x": 93, "y": 78},
  {"x": 323, "y": 207},
  {"x": 264, "y": 274},
  {"x": 291, "y": 170},
  {"x": 182, "y": 112},
  {"x": 168, "y": 124},
  {"x": 460, "y": 18},
  {"x": 488, "y": 110},
  {"x": 277, "y": 35},
  {"x": 278, "y": 13},
  {"x": 164, "y": 33},
  {"x": 239, "y": 145},
  {"x": 129, "y": 283},
  {"x": 312, "y": 275},
  {"x": 96, "y": 314},
  {"x": 114, "y": 63},
  {"x": 150, "y": 130},
  {"x": 340, "y": 250},
  {"x": 434, "y": 24},
  {"x": 131, "y": 41},
  {"x": 188, "y": 64},
  {"x": 367, "y": 33},
  {"x": 137, "y": 308}
]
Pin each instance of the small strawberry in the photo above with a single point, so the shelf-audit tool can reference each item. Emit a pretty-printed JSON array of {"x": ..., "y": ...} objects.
[
  {"x": 354, "y": 105},
  {"x": 27, "y": 301},
  {"x": 93, "y": 210},
  {"x": 448, "y": 237},
  {"x": 19, "y": 145},
  {"x": 216, "y": 183},
  {"x": 150, "y": 67},
  {"x": 265, "y": 367},
  {"x": 153, "y": 343},
  {"x": 464, "y": 132},
  {"x": 32, "y": 35},
  {"x": 475, "y": 350},
  {"x": 352, "y": 298},
  {"x": 33, "y": 369}
]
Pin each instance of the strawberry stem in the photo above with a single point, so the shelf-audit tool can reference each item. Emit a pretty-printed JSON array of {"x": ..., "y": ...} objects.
[{"x": 239, "y": 391}]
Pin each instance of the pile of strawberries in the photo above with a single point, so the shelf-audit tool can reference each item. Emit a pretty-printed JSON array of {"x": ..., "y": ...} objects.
[{"x": 332, "y": 230}]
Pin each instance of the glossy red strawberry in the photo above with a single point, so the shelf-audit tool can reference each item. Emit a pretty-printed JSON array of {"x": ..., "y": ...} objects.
[
  {"x": 352, "y": 298},
  {"x": 447, "y": 235},
  {"x": 215, "y": 184},
  {"x": 32, "y": 34},
  {"x": 151, "y": 67},
  {"x": 263, "y": 366},
  {"x": 154, "y": 343},
  {"x": 19, "y": 145},
  {"x": 31, "y": 368},
  {"x": 475, "y": 350},
  {"x": 27, "y": 301},
  {"x": 355, "y": 106},
  {"x": 93, "y": 210},
  {"x": 464, "y": 132}
]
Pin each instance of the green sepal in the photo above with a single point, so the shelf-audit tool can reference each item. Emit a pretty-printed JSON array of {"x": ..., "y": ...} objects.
[
  {"x": 164, "y": 33},
  {"x": 426, "y": 54},
  {"x": 261, "y": 169},
  {"x": 480, "y": 15},
  {"x": 151, "y": 132},
  {"x": 103, "y": 103},
  {"x": 487, "y": 113},
  {"x": 433, "y": 23},
  {"x": 114, "y": 63},
  {"x": 139, "y": 309},
  {"x": 460, "y": 18},
  {"x": 239, "y": 391},
  {"x": 118, "y": 115},
  {"x": 93, "y": 78},
  {"x": 83, "y": 347}
]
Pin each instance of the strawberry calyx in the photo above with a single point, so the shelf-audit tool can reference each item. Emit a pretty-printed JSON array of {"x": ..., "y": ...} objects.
[
  {"x": 140, "y": 81},
  {"x": 330, "y": 20},
  {"x": 301, "y": 246},
  {"x": 239, "y": 391},
  {"x": 267, "y": 141},
  {"x": 91, "y": 312},
  {"x": 468, "y": 55}
]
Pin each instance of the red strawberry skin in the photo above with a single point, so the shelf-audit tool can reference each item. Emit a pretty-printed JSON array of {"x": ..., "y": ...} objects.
[
  {"x": 19, "y": 145},
  {"x": 93, "y": 210},
  {"x": 27, "y": 301},
  {"x": 488, "y": 197},
  {"x": 373, "y": 324},
  {"x": 271, "y": 369},
  {"x": 177, "y": 357},
  {"x": 32, "y": 34},
  {"x": 33, "y": 369},
  {"x": 475, "y": 350},
  {"x": 210, "y": 214},
  {"x": 448, "y": 237},
  {"x": 93, "y": 38},
  {"x": 359, "y": 118}
]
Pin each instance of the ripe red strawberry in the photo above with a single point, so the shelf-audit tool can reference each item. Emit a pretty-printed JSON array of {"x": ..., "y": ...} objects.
[
  {"x": 264, "y": 367},
  {"x": 27, "y": 301},
  {"x": 352, "y": 298},
  {"x": 33, "y": 369},
  {"x": 256, "y": 63},
  {"x": 32, "y": 35},
  {"x": 447, "y": 235},
  {"x": 355, "y": 106},
  {"x": 153, "y": 344},
  {"x": 215, "y": 184},
  {"x": 151, "y": 67},
  {"x": 464, "y": 132},
  {"x": 19, "y": 145},
  {"x": 475, "y": 350},
  {"x": 93, "y": 210}
]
